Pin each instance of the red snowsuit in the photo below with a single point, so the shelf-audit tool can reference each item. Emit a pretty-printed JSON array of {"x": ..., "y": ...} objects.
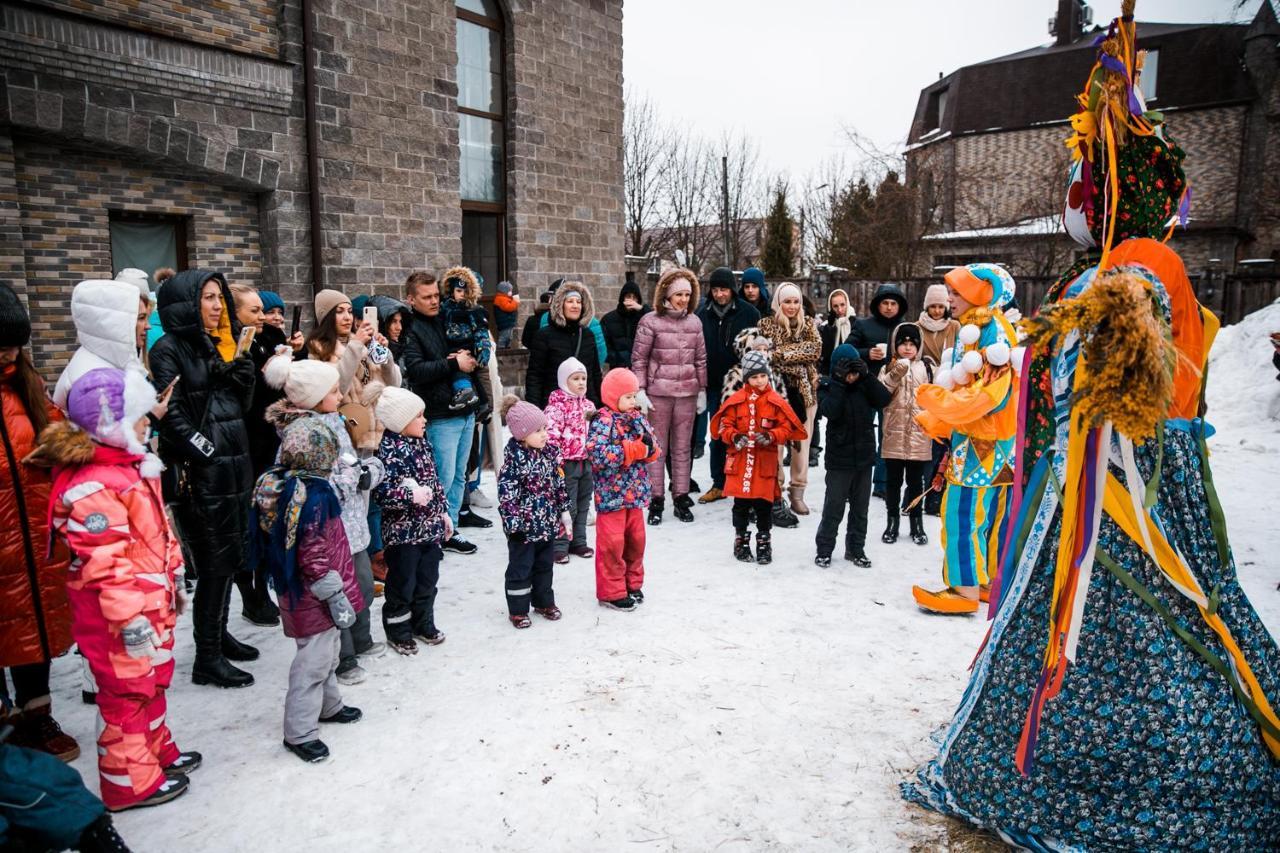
[
  {"x": 125, "y": 562},
  {"x": 752, "y": 472}
]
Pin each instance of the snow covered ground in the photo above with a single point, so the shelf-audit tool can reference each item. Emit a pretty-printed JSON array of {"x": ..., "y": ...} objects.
[{"x": 740, "y": 708}]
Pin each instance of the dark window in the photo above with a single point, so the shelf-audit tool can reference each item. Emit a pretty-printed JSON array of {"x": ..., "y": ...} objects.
[
  {"x": 483, "y": 247},
  {"x": 147, "y": 242},
  {"x": 936, "y": 110}
]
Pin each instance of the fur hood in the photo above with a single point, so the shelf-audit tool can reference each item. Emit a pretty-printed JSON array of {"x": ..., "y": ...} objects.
[
  {"x": 660, "y": 289},
  {"x": 748, "y": 339},
  {"x": 282, "y": 413},
  {"x": 62, "y": 443},
  {"x": 557, "y": 303},
  {"x": 468, "y": 278}
]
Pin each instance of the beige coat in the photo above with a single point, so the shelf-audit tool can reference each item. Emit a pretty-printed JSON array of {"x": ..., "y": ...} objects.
[
  {"x": 355, "y": 371},
  {"x": 934, "y": 342},
  {"x": 904, "y": 438}
]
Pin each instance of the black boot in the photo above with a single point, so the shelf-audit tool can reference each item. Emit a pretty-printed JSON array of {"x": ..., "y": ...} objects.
[
  {"x": 917, "y": 529},
  {"x": 742, "y": 547},
  {"x": 101, "y": 837},
  {"x": 764, "y": 548},
  {"x": 683, "y": 507},
  {"x": 208, "y": 621},
  {"x": 233, "y": 649},
  {"x": 891, "y": 529},
  {"x": 256, "y": 605},
  {"x": 784, "y": 517},
  {"x": 656, "y": 506}
]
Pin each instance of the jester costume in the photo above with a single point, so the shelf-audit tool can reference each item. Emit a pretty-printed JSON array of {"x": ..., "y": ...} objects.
[
  {"x": 974, "y": 402},
  {"x": 1125, "y": 695}
]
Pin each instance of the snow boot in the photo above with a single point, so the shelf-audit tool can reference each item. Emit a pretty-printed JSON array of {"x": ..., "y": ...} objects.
[
  {"x": 521, "y": 620},
  {"x": 858, "y": 558},
  {"x": 637, "y": 595},
  {"x": 918, "y": 535},
  {"x": 312, "y": 751},
  {"x": 656, "y": 505},
  {"x": 742, "y": 547},
  {"x": 764, "y": 548},
  {"x": 683, "y": 507},
  {"x": 209, "y": 625},
  {"x": 463, "y": 399},
  {"x": 185, "y": 763},
  {"x": 101, "y": 837},
  {"x": 625, "y": 604},
  {"x": 345, "y": 714},
  {"x": 170, "y": 789},
  {"x": 783, "y": 517},
  {"x": 711, "y": 495},
  {"x": 890, "y": 535},
  {"x": 35, "y": 728},
  {"x": 798, "y": 506},
  {"x": 822, "y": 561}
]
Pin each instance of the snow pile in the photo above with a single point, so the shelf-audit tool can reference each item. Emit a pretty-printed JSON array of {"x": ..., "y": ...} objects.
[{"x": 1244, "y": 397}]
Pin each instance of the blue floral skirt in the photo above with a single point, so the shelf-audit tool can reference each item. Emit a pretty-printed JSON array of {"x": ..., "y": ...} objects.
[{"x": 1146, "y": 746}]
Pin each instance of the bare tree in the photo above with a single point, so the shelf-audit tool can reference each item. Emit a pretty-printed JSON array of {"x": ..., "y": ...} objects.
[
  {"x": 645, "y": 149},
  {"x": 687, "y": 199},
  {"x": 748, "y": 191}
]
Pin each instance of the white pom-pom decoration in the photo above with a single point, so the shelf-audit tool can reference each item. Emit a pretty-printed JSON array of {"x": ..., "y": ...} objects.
[
  {"x": 944, "y": 378},
  {"x": 276, "y": 370},
  {"x": 960, "y": 377},
  {"x": 1016, "y": 356},
  {"x": 969, "y": 334},
  {"x": 972, "y": 362},
  {"x": 998, "y": 354},
  {"x": 947, "y": 354}
]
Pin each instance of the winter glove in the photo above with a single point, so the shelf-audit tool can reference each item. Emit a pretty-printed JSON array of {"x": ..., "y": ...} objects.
[
  {"x": 241, "y": 373},
  {"x": 566, "y": 521},
  {"x": 341, "y": 611},
  {"x": 642, "y": 400},
  {"x": 634, "y": 450},
  {"x": 589, "y": 411},
  {"x": 899, "y": 368},
  {"x": 702, "y": 401},
  {"x": 140, "y": 639},
  {"x": 421, "y": 495},
  {"x": 764, "y": 439},
  {"x": 740, "y": 441},
  {"x": 860, "y": 367}
]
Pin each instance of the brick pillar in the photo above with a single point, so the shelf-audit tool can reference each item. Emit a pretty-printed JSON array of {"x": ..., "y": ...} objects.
[{"x": 12, "y": 262}]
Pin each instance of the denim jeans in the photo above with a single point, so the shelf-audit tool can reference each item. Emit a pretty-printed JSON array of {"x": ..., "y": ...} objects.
[{"x": 451, "y": 445}]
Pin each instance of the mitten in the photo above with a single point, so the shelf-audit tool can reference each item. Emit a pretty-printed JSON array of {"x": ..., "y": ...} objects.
[
  {"x": 421, "y": 494},
  {"x": 140, "y": 639},
  {"x": 860, "y": 367},
  {"x": 341, "y": 611},
  {"x": 634, "y": 450},
  {"x": 702, "y": 401},
  {"x": 642, "y": 400},
  {"x": 841, "y": 369},
  {"x": 740, "y": 441},
  {"x": 566, "y": 521},
  {"x": 764, "y": 439}
]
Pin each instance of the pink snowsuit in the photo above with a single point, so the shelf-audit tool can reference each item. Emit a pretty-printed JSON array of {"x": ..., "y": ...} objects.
[{"x": 125, "y": 562}]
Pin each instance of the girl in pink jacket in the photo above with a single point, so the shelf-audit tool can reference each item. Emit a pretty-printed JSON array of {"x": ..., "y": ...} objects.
[
  {"x": 568, "y": 413},
  {"x": 125, "y": 583}
]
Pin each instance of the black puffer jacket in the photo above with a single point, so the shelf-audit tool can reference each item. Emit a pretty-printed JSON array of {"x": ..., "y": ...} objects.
[
  {"x": 876, "y": 329},
  {"x": 427, "y": 369},
  {"x": 719, "y": 332},
  {"x": 263, "y": 440},
  {"x": 850, "y": 411},
  {"x": 210, "y": 494},
  {"x": 560, "y": 339},
  {"x": 619, "y": 327}
]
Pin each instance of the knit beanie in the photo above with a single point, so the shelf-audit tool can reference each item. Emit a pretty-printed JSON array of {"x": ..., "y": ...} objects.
[
  {"x": 270, "y": 300},
  {"x": 617, "y": 383},
  {"x": 567, "y": 368},
  {"x": 785, "y": 290},
  {"x": 326, "y": 301},
  {"x": 358, "y": 304},
  {"x": 753, "y": 275},
  {"x": 15, "y": 325},
  {"x": 305, "y": 382},
  {"x": 906, "y": 332},
  {"x": 721, "y": 277},
  {"x": 397, "y": 407},
  {"x": 754, "y": 363},
  {"x": 679, "y": 285},
  {"x": 523, "y": 419},
  {"x": 505, "y": 287},
  {"x": 844, "y": 352},
  {"x": 106, "y": 402},
  {"x": 138, "y": 279},
  {"x": 936, "y": 295}
]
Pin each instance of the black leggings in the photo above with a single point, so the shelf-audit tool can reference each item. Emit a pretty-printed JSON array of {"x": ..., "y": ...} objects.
[
  {"x": 914, "y": 471},
  {"x": 30, "y": 681},
  {"x": 743, "y": 508}
]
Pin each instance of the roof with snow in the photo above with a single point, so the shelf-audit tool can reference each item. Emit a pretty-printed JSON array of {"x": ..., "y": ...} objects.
[
  {"x": 1036, "y": 227},
  {"x": 1200, "y": 65}
]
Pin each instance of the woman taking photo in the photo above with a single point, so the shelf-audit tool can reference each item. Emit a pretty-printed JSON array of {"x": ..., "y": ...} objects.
[
  {"x": 35, "y": 620},
  {"x": 797, "y": 349},
  {"x": 205, "y": 446}
]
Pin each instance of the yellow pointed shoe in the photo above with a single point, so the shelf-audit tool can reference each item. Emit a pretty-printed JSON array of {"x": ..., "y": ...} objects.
[
  {"x": 711, "y": 495},
  {"x": 984, "y": 593},
  {"x": 945, "y": 601}
]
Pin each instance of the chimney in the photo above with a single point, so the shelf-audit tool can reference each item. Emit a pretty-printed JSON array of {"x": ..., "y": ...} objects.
[{"x": 1068, "y": 25}]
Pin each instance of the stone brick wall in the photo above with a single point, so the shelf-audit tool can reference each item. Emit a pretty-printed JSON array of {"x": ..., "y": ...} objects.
[
  {"x": 247, "y": 26},
  {"x": 66, "y": 201}
]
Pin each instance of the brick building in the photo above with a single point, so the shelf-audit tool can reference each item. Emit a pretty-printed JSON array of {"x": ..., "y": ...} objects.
[
  {"x": 986, "y": 145},
  {"x": 421, "y": 134}
]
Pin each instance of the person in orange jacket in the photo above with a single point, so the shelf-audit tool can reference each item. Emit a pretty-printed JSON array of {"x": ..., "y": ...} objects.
[
  {"x": 125, "y": 582},
  {"x": 754, "y": 422},
  {"x": 506, "y": 307}
]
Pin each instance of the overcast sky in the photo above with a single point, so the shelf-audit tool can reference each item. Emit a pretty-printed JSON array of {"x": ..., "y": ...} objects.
[{"x": 794, "y": 73}]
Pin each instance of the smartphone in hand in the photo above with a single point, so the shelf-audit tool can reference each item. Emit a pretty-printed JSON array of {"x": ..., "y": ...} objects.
[
  {"x": 296, "y": 325},
  {"x": 371, "y": 317},
  {"x": 246, "y": 339}
]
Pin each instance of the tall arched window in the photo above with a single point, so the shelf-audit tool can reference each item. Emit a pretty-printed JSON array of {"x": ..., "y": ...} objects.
[{"x": 481, "y": 139}]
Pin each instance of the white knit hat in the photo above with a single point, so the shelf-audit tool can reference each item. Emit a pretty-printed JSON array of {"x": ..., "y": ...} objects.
[
  {"x": 567, "y": 368},
  {"x": 305, "y": 382},
  {"x": 397, "y": 407},
  {"x": 138, "y": 279}
]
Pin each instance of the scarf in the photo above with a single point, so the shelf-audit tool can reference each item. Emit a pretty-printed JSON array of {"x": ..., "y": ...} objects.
[
  {"x": 843, "y": 328},
  {"x": 933, "y": 325},
  {"x": 283, "y": 500}
]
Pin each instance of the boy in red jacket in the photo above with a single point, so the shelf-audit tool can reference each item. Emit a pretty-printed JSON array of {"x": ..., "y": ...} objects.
[{"x": 755, "y": 421}]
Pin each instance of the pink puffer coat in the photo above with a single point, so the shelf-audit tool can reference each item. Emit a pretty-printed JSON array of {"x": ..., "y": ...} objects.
[{"x": 669, "y": 355}]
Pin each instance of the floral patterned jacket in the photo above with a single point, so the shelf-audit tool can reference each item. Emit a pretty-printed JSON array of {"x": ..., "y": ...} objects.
[
  {"x": 531, "y": 491},
  {"x": 403, "y": 521},
  {"x": 619, "y": 485},
  {"x": 567, "y": 423}
]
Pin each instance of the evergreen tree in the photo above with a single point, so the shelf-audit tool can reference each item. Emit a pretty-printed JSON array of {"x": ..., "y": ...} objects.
[{"x": 778, "y": 258}]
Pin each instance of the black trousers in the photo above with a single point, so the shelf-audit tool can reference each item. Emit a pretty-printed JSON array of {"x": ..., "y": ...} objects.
[
  {"x": 854, "y": 489},
  {"x": 409, "y": 592},
  {"x": 30, "y": 681},
  {"x": 914, "y": 472},
  {"x": 530, "y": 565},
  {"x": 743, "y": 508}
]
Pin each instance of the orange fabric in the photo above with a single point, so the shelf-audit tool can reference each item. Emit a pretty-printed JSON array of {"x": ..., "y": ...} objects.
[
  {"x": 968, "y": 408},
  {"x": 506, "y": 302},
  {"x": 24, "y": 525},
  {"x": 1188, "y": 325},
  {"x": 753, "y": 471},
  {"x": 974, "y": 290}
]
